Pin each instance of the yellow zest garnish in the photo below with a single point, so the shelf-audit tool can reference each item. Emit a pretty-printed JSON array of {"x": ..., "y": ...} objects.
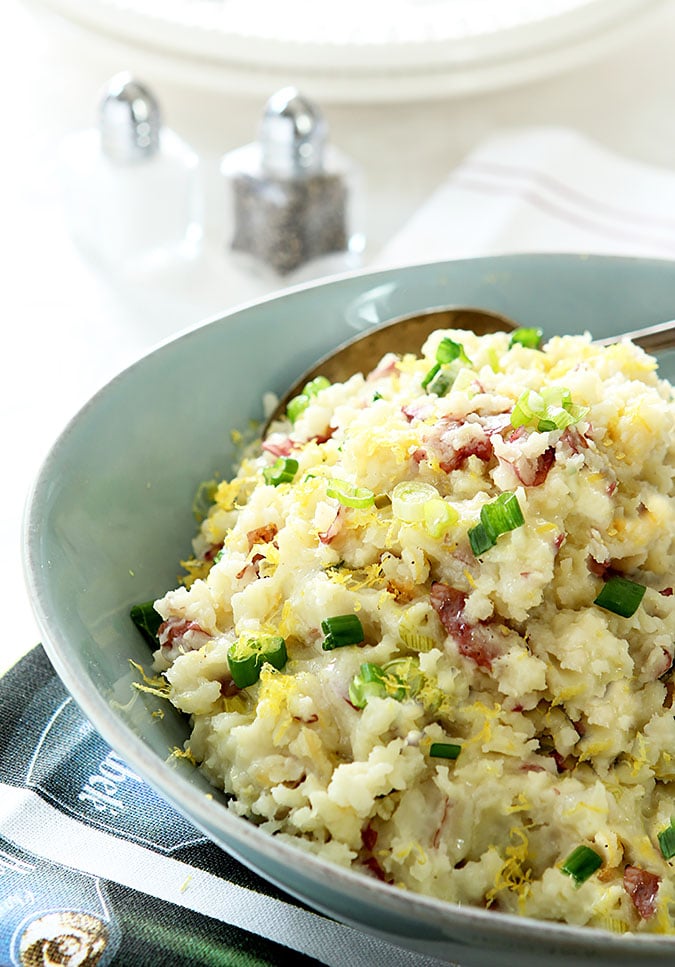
[
  {"x": 196, "y": 570},
  {"x": 513, "y": 875},
  {"x": 153, "y": 685},
  {"x": 178, "y": 753}
]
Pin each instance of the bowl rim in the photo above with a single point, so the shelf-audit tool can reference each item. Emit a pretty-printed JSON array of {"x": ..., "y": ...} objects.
[{"x": 208, "y": 814}]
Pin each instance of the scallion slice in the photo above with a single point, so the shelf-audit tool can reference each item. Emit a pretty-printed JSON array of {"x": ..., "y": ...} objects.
[
  {"x": 443, "y": 380},
  {"x": 620, "y": 596},
  {"x": 448, "y": 350},
  {"x": 298, "y": 404},
  {"x": 349, "y": 495},
  {"x": 147, "y": 620},
  {"x": 550, "y": 409},
  {"x": 314, "y": 386},
  {"x": 247, "y": 656},
  {"x": 439, "y": 517},
  {"x": 496, "y": 518},
  {"x": 444, "y": 750},
  {"x": 283, "y": 470},
  {"x": 581, "y": 863},
  {"x": 430, "y": 375},
  {"x": 666, "y": 840},
  {"x": 479, "y": 540},
  {"x": 408, "y": 499},
  {"x": 341, "y": 630},
  {"x": 367, "y": 683},
  {"x": 398, "y": 679},
  {"x": 403, "y": 678},
  {"x": 530, "y": 337}
]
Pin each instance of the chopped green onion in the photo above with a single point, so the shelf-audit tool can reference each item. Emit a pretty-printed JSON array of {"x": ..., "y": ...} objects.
[
  {"x": 341, "y": 630},
  {"x": 398, "y": 679},
  {"x": 413, "y": 628},
  {"x": 448, "y": 350},
  {"x": 443, "y": 381},
  {"x": 666, "y": 840},
  {"x": 349, "y": 495},
  {"x": 479, "y": 540},
  {"x": 147, "y": 621},
  {"x": 296, "y": 406},
  {"x": 550, "y": 409},
  {"x": 247, "y": 656},
  {"x": 621, "y": 596},
  {"x": 530, "y": 337},
  {"x": 299, "y": 403},
  {"x": 368, "y": 683},
  {"x": 404, "y": 677},
  {"x": 497, "y": 517},
  {"x": 430, "y": 375},
  {"x": 283, "y": 470},
  {"x": 408, "y": 499},
  {"x": 203, "y": 498},
  {"x": 444, "y": 750},
  {"x": 450, "y": 359},
  {"x": 439, "y": 517},
  {"x": 581, "y": 863},
  {"x": 314, "y": 386},
  {"x": 414, "y": 639},
  {"x": 417, "y": 502}
]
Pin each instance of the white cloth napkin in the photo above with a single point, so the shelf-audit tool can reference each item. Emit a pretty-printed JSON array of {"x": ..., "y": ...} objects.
[{"x": 542, "y": 190}]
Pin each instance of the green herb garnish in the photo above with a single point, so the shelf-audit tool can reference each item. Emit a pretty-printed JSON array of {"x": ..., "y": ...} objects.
[
  {"x": 147, "y": 620},
  {"x": 247, "y": 656},
  {"x": 620, "y": 596},
  {"x": 497, "y": 517},
  {"x": 341, "y": 630}
]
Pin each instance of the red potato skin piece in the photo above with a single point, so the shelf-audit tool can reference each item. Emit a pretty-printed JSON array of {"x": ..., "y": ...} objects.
[
  {"x": 334, "y": 528},
  {"x": 171, "y": 629},
  {"x": 642, "y": 887},
  {"x": 478, "y": 448},
  {"x": 261, "y": 535},
  {"x": 448, "y": 603},
  {"x": 278, "y": 448},
  {"x": 369, "y": 838}
]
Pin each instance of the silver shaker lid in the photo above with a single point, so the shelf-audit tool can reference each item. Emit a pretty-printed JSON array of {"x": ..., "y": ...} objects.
[
  {"x": 293, "y": 134},
  {"x": 129, "y": 120}
]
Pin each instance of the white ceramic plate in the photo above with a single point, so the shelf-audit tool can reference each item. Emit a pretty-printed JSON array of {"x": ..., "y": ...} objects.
[{"x": 376, "y": 50}]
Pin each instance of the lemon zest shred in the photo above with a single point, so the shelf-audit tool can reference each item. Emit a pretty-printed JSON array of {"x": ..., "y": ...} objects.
[
  {"x": 178, "y": 753},
  {"x": 152, "y": 684},
  {"x": 513, "y": 876}
]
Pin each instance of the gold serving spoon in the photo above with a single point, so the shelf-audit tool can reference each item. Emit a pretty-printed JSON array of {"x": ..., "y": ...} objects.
[{"x": 407, "y": 334}]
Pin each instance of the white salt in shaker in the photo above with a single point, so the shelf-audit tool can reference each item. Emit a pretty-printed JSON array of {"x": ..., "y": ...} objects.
[
  {"x": 294, "y": 205},
  {"x": 132, "y": 189}
]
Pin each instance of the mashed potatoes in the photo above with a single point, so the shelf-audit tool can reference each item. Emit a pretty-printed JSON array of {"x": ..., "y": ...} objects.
[{"x": 428, "y": 630}]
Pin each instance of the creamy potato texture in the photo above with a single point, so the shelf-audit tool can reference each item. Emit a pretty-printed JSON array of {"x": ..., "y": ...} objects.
[{"x": 495, "y": 735}]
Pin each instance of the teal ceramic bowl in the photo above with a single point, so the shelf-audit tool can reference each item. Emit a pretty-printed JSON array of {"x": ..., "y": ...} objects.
[{"x": 110, "y": 516}]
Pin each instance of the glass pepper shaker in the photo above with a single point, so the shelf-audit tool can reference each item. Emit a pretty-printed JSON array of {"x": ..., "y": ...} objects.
[
  {"x": 132, "y": 191},
  {"x": 293, "y": 201}
]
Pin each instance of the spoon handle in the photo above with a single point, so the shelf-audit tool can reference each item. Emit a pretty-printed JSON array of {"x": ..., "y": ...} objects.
[{"x": 652, "y": 339}]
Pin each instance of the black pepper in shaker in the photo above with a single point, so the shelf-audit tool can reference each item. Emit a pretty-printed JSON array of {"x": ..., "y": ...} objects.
[{"x": 292, "y": 197}]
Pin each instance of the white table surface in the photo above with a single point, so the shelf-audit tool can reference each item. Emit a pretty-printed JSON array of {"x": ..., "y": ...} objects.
[{"x": 67, "y": 329}]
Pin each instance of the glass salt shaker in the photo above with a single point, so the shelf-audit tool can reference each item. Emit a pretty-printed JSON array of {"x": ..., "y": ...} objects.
[
  {"x": 132, "y": 190},
  {"x": 294, "y": 205}
]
